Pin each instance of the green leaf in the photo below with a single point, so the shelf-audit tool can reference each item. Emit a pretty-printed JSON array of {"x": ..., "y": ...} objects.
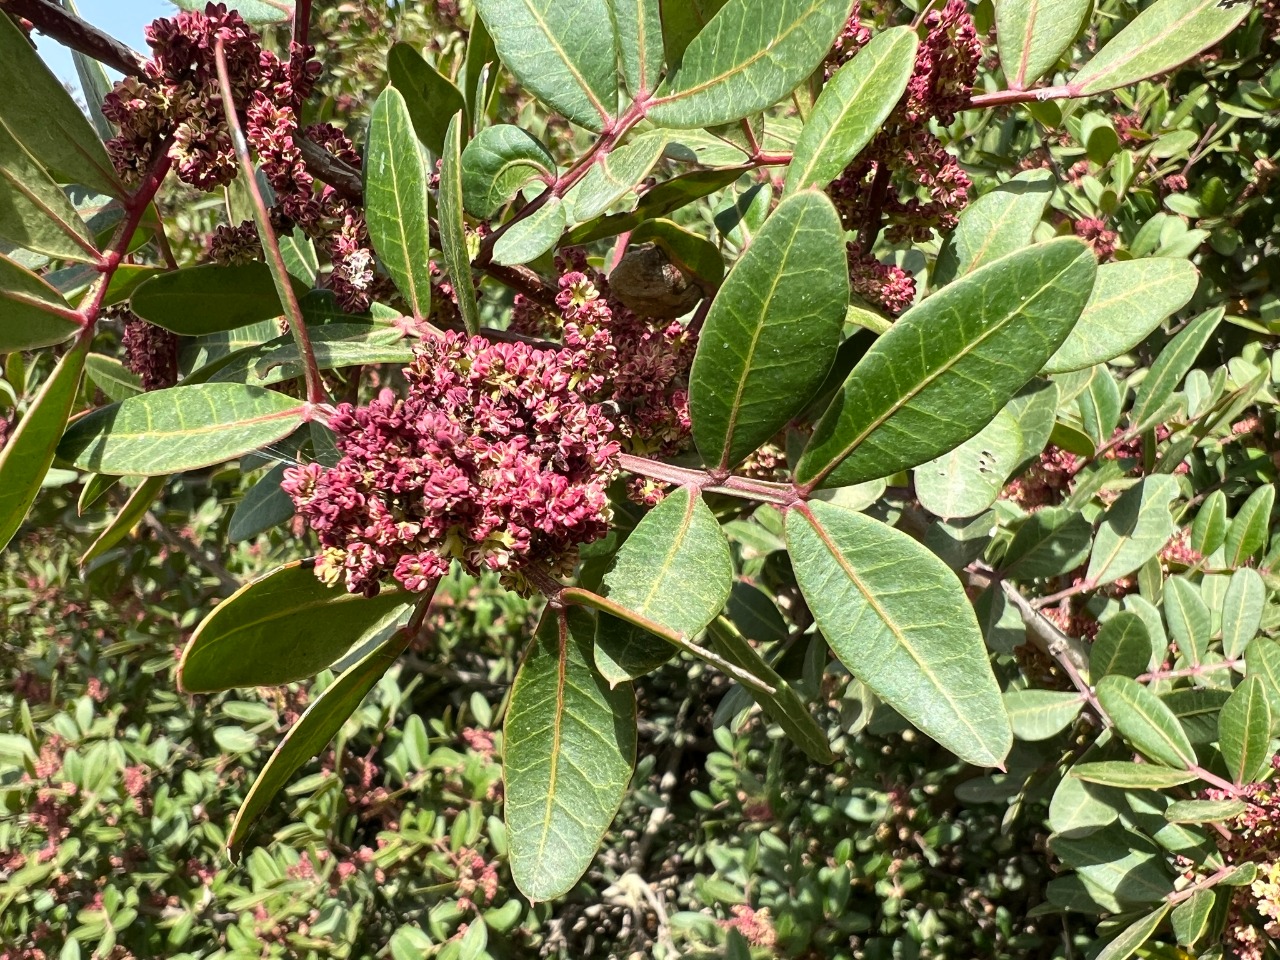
[
  {"x": 41, "y": 116},
  {"x": 35, "y": 214},
  {"x": 430, "y": 97},
  {"x": 695, "y": 255},
  {"x": 563, "y": 53},
  {"x": 682, "y": 20},
  {"x": 1134, "y": 529},
  {"x": 26, "y": 457},
  {"x": 772, "y": 332},
  {"x": 1171, "y": 366},
  {"x": 1204, "y": 811},
  {"x": 282, "y": 627},
  {"x": 110, "y": 376},
  {"x": 1040, "y": 714},
  {"x": 675, "y": 569},
  {"x": 498, "y": 163},
  {"x": 1250, "y": 527},
  {"x": 1146, "y": 722},
  {"x": 1050, "y": 542},
  {"x": 1190, "y": 919},
  {"x": 570, "y": 748},
  {"x": 134, "y": 509},
  {"x": 1034, "y": 34},
  {"x": 396, "y": 195},
  {"x": 899, "y": 619},
  {"x": 1121, "y": 648},
  {"x": 966, "y": 481},
  {"x": 1100, "y": 405},
  {"x": 637, "y": 26},
  {"x": 1130, "y": 299},
  {"x": 32, "y": 313},
  {"x": 1262, "y": 659},
  {"x": 211, "y": 298},
  {"x": 852, "y": 108},
  {"x": 1209, "y": 531},
  {"x": 334, "y": 345},
  {"x": 751, "y": 55},
  {"x": 1165, "y": 35},
  {"x": 265, "y": 506},
  {"x": 995, "y": 225},
  {"x": 1242, "y": 609},
  {"x": 253, "y": 11},
  {"x": 614, "y": 176},
  {"x": 453, "y": 232},
  {"x": 1190, "y": 623},
  {"x": 1244, "y": 731},
  {"x": 1131, "y": 776},
  {"x": 480, "y": 71},
  {"x": 182, "y": 428},
  {"x": 785, "y": 707},
  {"x": 1132, "y": 937},
  {"x": 1123, "y": 863},
  {"x": 319, "y": 724},
  {"x": 531, "y": 237},
  {"x": 666, "y": 197},
  {"x": 949, "y": 365}
]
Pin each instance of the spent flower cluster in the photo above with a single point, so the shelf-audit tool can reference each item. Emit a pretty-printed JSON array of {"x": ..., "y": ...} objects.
[{"x": 494, "y": 458}]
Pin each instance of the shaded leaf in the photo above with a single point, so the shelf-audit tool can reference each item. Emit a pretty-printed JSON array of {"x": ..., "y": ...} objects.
[
  {"x": 1146, "y": 722},
  {"x": 396, "y": 196},
  {"x": 319, "y": 724},
  {"x": 35, "y": 214},
  {"x": 453, "y": 232},
  {"x": 1171, "y": 366},
  {"x": 182, "y": 428},
  {"x": 675, "y": 569},
  {"x": 282, "y": 627},
  {"x": 1050, "y": 542},
  {"x": 265, "y": 506},
  {"x": 1204, "y": 811},
  {"x": 130, "y": 515},
  {"x": 1123, "y": 863},
  {"x": 751, "y": 55},
  {"x": 570, "y": 748},
  {"x": 498, "y": 163},
  {"x": 899, "y": 619},
  {"x": 32, "y": 313},
  {"x": 772, "y": 332},
  {"x": 1134, "y": 529},
  {"x": 682, "y": 20},
  {"x": 1242, "y": 609},
  {"x": 110, "y": 376},
  {"x": 26, "y": 456},
  {"x": 1040, "y": 714},
  {"x": 1163, "y": 36},
  {"x": 1132, "y": 937},
  {"x": 563, "y": 53},
  {"x": 334, "y": 345},
  {"x": 949, "y": 365},
  {"x": 1209, "y": 531},
  {"x": 967, "y": 480},
  {"x": 1122, "y": 647},
  {"x": 431, "y": 98},
  {"x": 852, "y": 107},
  {"x": 210, "y": 298},
  {"x": 696, "y": 256},
  {"x": 531, "y": 237},
  {"x": 1190, "y": 919},
  {"x": 1244, "y": 731},
  {"x": 666, "y": 197},
  {"x": 1130, "y": 299}
]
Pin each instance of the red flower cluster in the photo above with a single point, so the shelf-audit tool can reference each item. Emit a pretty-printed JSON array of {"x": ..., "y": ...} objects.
[
  {"x": 881, "y": 188},
  {"x": 1253, "y": 922},
  {"x": 638, "y": 366},
  {"x": 1095, "y": 232},
  {"x": 494, "y": 458}
]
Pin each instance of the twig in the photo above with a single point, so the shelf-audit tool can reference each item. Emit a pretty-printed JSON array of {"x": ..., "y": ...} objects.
[{"x": 69, "y": 30}]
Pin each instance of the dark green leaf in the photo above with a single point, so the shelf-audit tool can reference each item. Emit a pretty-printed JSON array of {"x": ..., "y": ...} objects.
[
  {"x": 1040, "y": 714},
  {"x": 1050, "y": 542},
  {"x": 1122, "y": 647},
  {"x": 1171, "y": 366},
  {"x": 637, "y": 25},
  {"x": 110, "y": 376},
  {"x": 499, "y": 162},
  {"x": 570, "y": 749},
  {"x": 182, "y": 428},
  {"x": 26, "y": 457},
  {"x": 854, "y": 104},
  {"x": 453, "y": 231},
  {"x": 210, "y": 298},
  {"x": 396, "y": 195},
  {"x": 899, "y": 619},
  {"x": 949, "y": 365},
  {"x": 1163, "y": 36},
  {"x": 682, "y": 20},
  {"x": 563, "y": 53},
  {"x": 695, "y": 255},
  {"x": 1244, "y": 731},
  {"x": 41, "y": 116},
  {"x": 675, "y": 569},
  {"x": 1134, "y": 529},
  {"x": 1190, "y": 919},
  {"x": 35, "y": 214},
  {"x": 431, "y": 98},
  {"x": 1250, "y": 527},
  {"x": 1146, "y": 722},
  {"x": 480, "y": 71},
  {"x": 1242, "y": 610},
  {"x": 1132, "y": 937},
  {"x": 1123, "y": 863},
  {"x": 263, "y": 507},
  {"x": 772, "y": 332},
  {"x": 1034, "y": 34},
  {"x": 531, "y": 237},
  {"x": 1131, "y": 776},
  {"x": 282, "y": 627},
  {"x": 751, "y": 55},
  {"x": 319, "y": 724},
  {"x": 32, "y": 313},
  {"x": 1209, "y": 531},
  {"x": 666, "y": 197}
]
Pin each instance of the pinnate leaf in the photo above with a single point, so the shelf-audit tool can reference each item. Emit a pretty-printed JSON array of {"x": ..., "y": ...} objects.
[
  {"x": 1134, "y": 529},
  {"x": 35, "y": 214},
  {"x": 1242, "y": 610},
  {"x": 1171, "y": 366},
  {"x": 282, "y": 627},
  {"x": 1131, "y": 776},
  {"x": 637, "y": 25},
  {"x": 182, "y": 428},
  {"x": 1250, "y": 527},
  {"x": 615, "y": 175},
  {"x": 899, "y": 619},
  {"x": 1040, "y": 714},
  {"x": 1122, "y": 647},
  {"x": 949, "y": 365},
  {"x": 570, "y": 748},
  {"x": 772, "y": 332},
  {"x": 995, "y": 225},
  {"x": 1132, "y": 937},
  {"x": 532, "y": 236}
]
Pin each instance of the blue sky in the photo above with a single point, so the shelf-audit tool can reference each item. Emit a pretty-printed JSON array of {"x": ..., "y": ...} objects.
[{"x": 123, "y": 19}]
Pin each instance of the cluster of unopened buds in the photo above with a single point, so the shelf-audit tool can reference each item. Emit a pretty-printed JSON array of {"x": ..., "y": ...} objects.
[
  {"x": 881, "y": 188},
  {"x": 494, "y": 458}
]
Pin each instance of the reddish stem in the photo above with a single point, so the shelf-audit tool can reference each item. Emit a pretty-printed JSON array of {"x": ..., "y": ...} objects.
[
  {"x": 744, "y": 488},
  {"x": 1084, "y": 586},
  {"x": 301, "y": 22},
  {"x": 1003, "y": 98}
]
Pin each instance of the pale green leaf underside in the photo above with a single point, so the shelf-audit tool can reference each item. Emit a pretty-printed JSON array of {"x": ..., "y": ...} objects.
[
  {"x": 531, "y": 237},
  {"x": 995, "y": 225},
  {"x": 637, "y": 25}
]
